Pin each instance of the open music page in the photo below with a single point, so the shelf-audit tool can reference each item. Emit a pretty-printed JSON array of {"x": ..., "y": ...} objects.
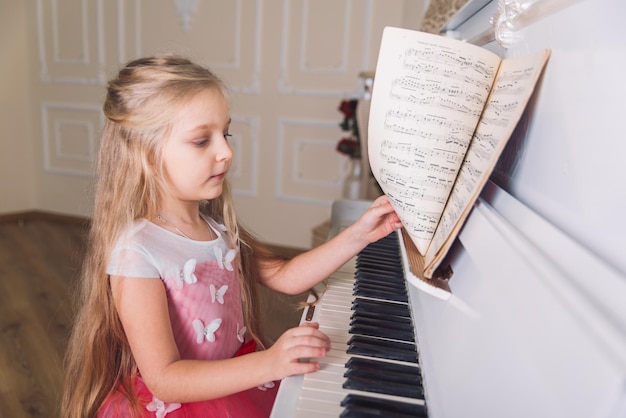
[
  {"x": 512, "y": 89},
  {"x": 428, "y": 98}
]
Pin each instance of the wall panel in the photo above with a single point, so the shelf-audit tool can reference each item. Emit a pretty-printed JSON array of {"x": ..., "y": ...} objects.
[
  {"x": 288, "y": 64},
  {"x": 71, "y": 135},
  {"x": 70, "y": 41}
]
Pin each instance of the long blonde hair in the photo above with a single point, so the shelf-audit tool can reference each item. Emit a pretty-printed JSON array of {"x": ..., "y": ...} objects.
[{"x": 138, "y": 107}]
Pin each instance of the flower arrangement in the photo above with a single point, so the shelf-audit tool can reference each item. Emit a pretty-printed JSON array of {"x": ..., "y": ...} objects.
[{"x": 349, "y": 145}]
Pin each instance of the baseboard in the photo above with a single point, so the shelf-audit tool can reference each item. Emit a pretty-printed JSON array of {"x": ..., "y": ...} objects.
[{"x": 42, "y": 216}]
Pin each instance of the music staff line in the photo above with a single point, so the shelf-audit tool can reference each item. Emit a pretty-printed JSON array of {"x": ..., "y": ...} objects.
[{"x": 442, "y": 60}]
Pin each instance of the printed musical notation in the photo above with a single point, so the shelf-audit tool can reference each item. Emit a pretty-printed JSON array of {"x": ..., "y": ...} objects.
[
  {"x": 506, "y": 103},
  {"x": 433, "y": 101},
  {"x": 440, "y": 114}
]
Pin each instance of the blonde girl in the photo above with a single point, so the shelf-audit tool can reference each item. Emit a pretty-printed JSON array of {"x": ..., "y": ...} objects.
[{"x": 168, "y": 319}]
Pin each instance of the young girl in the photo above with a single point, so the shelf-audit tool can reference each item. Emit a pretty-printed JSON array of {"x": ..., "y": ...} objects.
[{"x": 169, "y": 316}]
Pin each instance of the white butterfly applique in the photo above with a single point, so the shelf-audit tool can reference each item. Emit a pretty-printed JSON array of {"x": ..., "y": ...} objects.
[
  {"x": 241, "y": 332},
  {"x": 161, "y": 408},
  {"x": 218, "y": 294},
  {"x": 207, "y": 332},
  {"x": 225, "y": 262},
  {"x": 187, "y": 274}
]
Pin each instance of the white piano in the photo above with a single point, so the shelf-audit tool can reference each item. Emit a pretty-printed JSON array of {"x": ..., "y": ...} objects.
[{"x": 534, "y": 322}]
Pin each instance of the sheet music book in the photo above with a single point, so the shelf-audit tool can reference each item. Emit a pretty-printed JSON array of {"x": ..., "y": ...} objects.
[{"x": 441, "y": 113}]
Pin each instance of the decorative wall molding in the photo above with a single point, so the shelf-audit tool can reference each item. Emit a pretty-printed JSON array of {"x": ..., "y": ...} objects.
[
  {"x": 131, "y": 31},
  {"x": 124, "y": 35},
  {"x": 287, "y": 86},
  {"x": 341, "y": 66},
  {"x": 58, "y": 155},
  {"x": 52, "y": 63},
  {"x": 253, "y": 87},
  {"x": 295, "y": 176}
]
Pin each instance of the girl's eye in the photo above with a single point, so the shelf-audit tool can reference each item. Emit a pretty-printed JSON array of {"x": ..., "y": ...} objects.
[
  {"x": 201, "y": 142},
  {"x": 227, "y": 135}
]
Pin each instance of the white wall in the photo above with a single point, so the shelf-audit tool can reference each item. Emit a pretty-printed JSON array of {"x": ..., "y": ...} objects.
[
  {"x": 288, "y": 62},
  {"x": 17, "y": 170}
]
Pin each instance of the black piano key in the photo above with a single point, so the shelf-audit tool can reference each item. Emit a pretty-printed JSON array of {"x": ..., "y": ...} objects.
[
  {"x": 378, "y": 265},
  {"x": 379, "y": 276},
  {"x": 375, "y": 385},
  {"x": 378, "y": 259},
  {"x": 385, "y": 245},
  {"x": 375, "y": 315},
  {"x": 358, "y": 315},
  {"x": 374, "y": 266},
  {"x": 379, "y": 254},
  {"x": 380, "y": 348},
  {"x": 384, "y": 308},
  {"x": 381, "y": 262},
  {"x": 385, "y": 377},
  {"x": 380, "y": 271},
  {"x": 373, "y": 331},
  {"x": 359, "y": 406},
  {"x": 382, "y": 287},
  {"x": 380, "y": 366},
  {"x": 368, "y": 292},
  {"x": 380, "y": 284},
  {"x": 381, "y": 322}
]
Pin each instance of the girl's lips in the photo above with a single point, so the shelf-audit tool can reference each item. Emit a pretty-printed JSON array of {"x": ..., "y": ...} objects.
[{"x": 219, "y": 176}]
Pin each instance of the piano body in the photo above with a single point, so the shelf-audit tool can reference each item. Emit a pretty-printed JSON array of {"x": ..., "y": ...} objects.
[{"x": 534, "y": 323}]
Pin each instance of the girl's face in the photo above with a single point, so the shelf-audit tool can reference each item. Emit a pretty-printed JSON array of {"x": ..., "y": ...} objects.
[{"x": 196, "y": 155}]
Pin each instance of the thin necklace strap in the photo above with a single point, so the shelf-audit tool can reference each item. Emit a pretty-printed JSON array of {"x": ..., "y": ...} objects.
[
  {"x": 175, "y": 228},
  {"x": 178, "y": 231}
]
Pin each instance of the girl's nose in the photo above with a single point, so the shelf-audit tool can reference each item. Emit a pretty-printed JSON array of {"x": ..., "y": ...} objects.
[{"x": 224, "y": 152}]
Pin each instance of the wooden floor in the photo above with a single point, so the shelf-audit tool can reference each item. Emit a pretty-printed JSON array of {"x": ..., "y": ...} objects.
[{"x": 39, "y": 262}]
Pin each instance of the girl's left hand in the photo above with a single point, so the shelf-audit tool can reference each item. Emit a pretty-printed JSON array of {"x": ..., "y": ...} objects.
[{"x": 378, "y": 221}]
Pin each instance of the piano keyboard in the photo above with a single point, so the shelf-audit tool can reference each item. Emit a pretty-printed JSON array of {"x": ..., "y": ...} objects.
[{"x": 372, "y": 368}]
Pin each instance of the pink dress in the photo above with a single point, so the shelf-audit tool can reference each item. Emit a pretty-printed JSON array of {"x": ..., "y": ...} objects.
[{"x": 204, "y": 301}]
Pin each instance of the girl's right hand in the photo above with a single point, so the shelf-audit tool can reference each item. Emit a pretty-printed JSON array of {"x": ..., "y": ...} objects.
[{"x": 292, "y": 353}]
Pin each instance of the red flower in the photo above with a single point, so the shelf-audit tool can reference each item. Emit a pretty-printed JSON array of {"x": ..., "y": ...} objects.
[
  {"x": 350, "y": 145},
  {"x": 348, "y": 108}
]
